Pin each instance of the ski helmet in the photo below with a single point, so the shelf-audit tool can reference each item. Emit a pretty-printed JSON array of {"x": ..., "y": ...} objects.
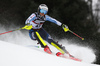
[{"x": 43, "y": 8}]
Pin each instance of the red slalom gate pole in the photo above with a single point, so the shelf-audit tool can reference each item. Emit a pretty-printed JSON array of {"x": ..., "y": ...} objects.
[{"x": 76, "y": 34}]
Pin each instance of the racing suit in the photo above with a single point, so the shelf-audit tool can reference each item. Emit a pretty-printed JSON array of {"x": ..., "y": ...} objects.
[{"x": 38, "y": 33}]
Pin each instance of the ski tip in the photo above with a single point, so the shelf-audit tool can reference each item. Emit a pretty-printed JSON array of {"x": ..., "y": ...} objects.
[{"x": 76, "y": 59}]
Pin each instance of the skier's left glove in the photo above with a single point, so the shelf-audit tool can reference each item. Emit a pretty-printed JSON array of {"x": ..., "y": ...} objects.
[
  {"x": 65, "y": 27},
  {"x": 27, "y": 27}
]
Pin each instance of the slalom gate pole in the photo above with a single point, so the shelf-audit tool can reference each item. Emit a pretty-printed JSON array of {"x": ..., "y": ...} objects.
[
  {"x": 10, "y": 31},
  {"x": 76, "y": 34}
]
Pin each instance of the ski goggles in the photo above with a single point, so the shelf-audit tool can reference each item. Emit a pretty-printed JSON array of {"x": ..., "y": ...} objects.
[{"x": 43, "y": 11}]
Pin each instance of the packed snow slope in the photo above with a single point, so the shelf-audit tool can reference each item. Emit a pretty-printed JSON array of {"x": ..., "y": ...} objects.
[
  {"x": 16, "y": 55},
  {"x": 86, "y": 53}
]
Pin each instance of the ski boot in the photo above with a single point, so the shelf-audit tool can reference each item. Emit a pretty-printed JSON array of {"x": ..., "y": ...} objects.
[
  {"x": 47, "y": 49},
  {"x": 59, "y": 54}
]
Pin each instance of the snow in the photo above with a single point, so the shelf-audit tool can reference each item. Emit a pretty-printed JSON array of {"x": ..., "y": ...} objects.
[
  {"x": 19, "y": 50},
  {"x": 16, "y": 55},
  {"x": 86, "y": 53}
]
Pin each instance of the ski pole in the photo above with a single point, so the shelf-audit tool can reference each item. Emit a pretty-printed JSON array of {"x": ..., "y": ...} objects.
[
  {"x": 76, "y": 34},
  {"x": 10, "y": 31},
  {"x": 25, "y": 27}
]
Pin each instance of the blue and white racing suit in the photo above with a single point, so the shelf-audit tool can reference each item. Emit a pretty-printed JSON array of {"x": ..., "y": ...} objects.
[
  {"x": 37, "y": 21},
  {"x": 37, "y": 31}
]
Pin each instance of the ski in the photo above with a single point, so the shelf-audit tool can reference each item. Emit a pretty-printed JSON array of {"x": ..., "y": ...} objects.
[
  {"x": 73, "y": 58},
  {"x": 66, "y": 56}
]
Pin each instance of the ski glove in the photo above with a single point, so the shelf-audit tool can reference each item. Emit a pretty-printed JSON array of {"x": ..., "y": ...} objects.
[
  {"x": 27, "y": 27},
  {"x": 65, "y": 27}
]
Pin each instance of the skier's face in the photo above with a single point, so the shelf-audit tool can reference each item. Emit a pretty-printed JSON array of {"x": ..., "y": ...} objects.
[{"x": 42, "y": 14}]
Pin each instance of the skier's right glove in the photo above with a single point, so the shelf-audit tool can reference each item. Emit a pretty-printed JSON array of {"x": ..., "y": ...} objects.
[
  {"x": 27, "y": 27},
  {"x": 65, "y": 27}
]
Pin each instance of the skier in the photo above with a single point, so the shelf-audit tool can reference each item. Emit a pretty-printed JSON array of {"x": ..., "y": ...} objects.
[{"x": 36, "y": 32}]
